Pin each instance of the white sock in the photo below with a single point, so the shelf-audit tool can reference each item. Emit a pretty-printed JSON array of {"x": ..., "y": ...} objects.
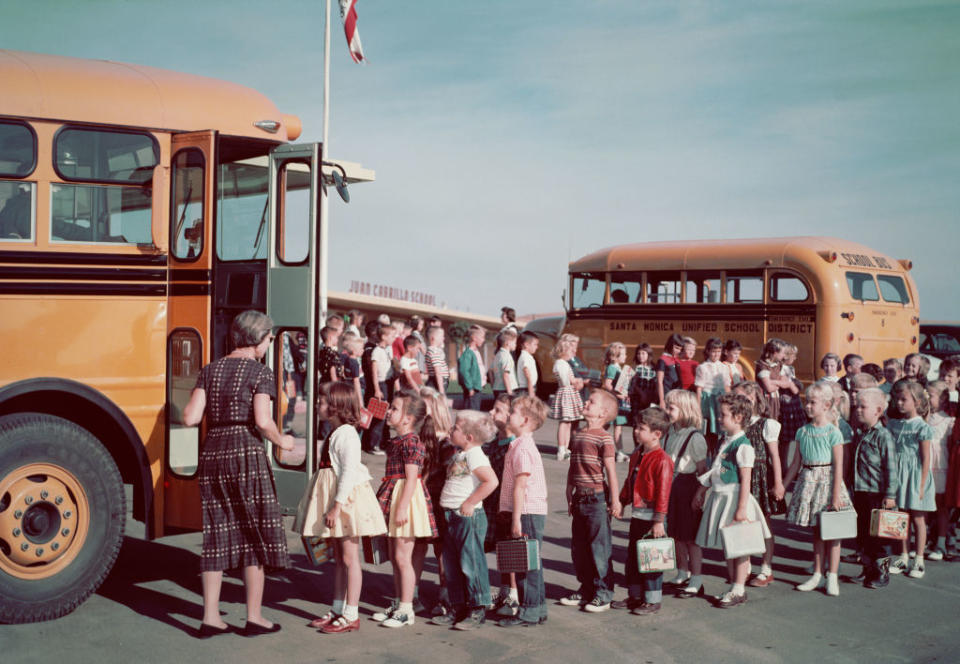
[
  {"x": 514, "y": 595},
  {"x": 766, "y": 569},
  {"x": 738, "y": 589},
  {"x": 351, "y": 613},
  {"x": 337, "y": 607},
  {"x": 406, "y": 608}
]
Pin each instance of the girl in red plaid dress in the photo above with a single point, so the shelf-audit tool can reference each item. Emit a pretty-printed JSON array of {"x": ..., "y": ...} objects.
[{"x": 405, "y": 502}]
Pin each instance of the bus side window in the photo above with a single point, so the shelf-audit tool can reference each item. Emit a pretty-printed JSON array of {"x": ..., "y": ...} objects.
[
  {"x": 893, "y": 289},
  {"x": 664, "y": 287},
  {"x": 703, "y": 288},
  {"x": 17, "y": 210},
  {"x": 744, "y": 288},
  {"x": 625, "y": 288},
  {"x": 862, "y": 286},
  {"x": 788, "y": 288}
]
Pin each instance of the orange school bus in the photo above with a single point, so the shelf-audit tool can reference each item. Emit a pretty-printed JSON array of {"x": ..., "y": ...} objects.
[
  {"x": 140, "y": 211},
  {"x": 820, "y": 294}
]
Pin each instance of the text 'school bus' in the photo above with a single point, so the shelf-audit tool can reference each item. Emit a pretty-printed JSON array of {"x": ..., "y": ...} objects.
[
  {"x": 820, "y": 294},
  {"x": 140, "y": 211}
]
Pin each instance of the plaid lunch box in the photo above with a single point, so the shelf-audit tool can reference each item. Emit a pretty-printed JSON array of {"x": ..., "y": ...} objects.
[
  {"x": 518, "y": 555},
  {"x": 377, "y": 407}
]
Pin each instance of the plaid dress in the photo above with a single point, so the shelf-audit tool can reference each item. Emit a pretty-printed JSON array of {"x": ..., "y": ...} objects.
[
  {"x": 242, "y": 524},
  {"x": 402, "y": 451}
]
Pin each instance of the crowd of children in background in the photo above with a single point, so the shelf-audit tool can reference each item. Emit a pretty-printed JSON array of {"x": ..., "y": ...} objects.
[{"x": 710, "y": 450}]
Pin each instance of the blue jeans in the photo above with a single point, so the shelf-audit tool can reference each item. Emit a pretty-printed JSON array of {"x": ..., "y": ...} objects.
[
  {"x": 472, "y": 402},
  {"x": 533, "y": 595},
  {"x": 591, "y": 546},
  {"x": 468, "y": 579},
  {"x": 650, "y": 584}
]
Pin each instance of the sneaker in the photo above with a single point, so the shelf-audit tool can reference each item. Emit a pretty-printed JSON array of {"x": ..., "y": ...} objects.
[
  {"x": 441, "y": 608},
  {"x": 509, "y": 608},
  {"x": 376, "y": 451},
  {"x": 899, "y": 565},
  {"x": 935, "y": 554},
  {"x": 380, "y": 616},
  {"x": 573, "y": 599},
  {"x": 622, "y": 457},
  {"x": 474, "y": 619},
  {"x": 596, "y": 605},
  {"x": 646, "y": 609},
  {"x": 444, "y": 620},
  {"x": 916, "y": 569},
  {"x": 851, "y": 558},
  {"x": 398, "y": 620},
  {"x": 518, "y": 622},
  {"x": 729, "y": 600},
  {"x": 418, "y": 606}
]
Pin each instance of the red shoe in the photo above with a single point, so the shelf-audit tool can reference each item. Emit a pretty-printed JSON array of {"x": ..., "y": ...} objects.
[
  {"x": 323, "y": 620},
  {"x": 341, "y": 624},
  {"x": 761, "y": 580}
]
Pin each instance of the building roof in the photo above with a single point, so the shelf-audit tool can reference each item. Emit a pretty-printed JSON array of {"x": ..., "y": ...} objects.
[{"x": 106, "y": 92}]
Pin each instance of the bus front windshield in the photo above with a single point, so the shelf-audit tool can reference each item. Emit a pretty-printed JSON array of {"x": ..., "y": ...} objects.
[{"x": 242, "y": 201}]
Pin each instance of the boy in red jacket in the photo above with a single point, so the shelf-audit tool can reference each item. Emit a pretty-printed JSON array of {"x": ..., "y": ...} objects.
[{"x": 647, "y": 490}]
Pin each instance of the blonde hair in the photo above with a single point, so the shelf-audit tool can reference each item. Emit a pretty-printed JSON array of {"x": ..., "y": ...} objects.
[
  {"x": 752, "y": 389},
  {"x": 532, "y": 408},
  {"x": 822, "y": 390},
  {"x": 352, "y": 343},
  {"x": 872, "y": 395},
  {"x": 939, "y": 387},
  {"x": 564, "y": 343},
  {"x": 611, "y": 401},
  {"x": 863, "y": 381},
  {"x": 841, "y": 401},
  {"x": 686, "y": 402},
  {"x": 479, "y": 426},
  {"x": 438, "y": 410},
  {"x": 612, "y": 355}
]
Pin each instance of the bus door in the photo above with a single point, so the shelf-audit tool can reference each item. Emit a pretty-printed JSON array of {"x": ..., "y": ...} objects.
[
  {"x": 188, "y": 315},
  {"x": 293, "y": 273}
]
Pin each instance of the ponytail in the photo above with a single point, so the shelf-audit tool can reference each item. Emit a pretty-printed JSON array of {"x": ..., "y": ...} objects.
[{"x": 431, "y": 445}]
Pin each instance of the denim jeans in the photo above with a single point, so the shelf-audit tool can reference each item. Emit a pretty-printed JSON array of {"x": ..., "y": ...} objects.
[
  {"x": 533, "y": 596},
  {"x": 873, "y": 548},
  {"x": 591, "y": 546},
  {"x": 472, "y": 402},
  {"x": 468, "y": 578},
  {"x": 650, "y": 584},
  {"x": 442, "y": 389},
  {"x": 373, "y": 437}
]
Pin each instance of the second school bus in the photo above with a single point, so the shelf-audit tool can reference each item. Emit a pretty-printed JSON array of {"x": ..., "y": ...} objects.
[{"x": 821, "y": 294}]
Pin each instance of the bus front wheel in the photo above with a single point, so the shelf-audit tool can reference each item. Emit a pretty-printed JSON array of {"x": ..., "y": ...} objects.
[{"x": 62, "y": 516}]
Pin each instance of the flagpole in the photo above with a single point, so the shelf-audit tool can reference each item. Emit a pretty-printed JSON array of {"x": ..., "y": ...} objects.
[{"x": 325, "y": 156}]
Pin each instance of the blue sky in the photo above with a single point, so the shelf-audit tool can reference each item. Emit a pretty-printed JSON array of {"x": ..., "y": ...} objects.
[{"x": 509, "y": 138}]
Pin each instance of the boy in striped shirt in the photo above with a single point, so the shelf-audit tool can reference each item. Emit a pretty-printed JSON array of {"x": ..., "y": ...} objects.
[{"x": 592, "y": 451}]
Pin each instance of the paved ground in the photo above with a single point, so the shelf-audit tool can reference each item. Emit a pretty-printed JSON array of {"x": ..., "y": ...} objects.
[{"x": 150, "y": 605}]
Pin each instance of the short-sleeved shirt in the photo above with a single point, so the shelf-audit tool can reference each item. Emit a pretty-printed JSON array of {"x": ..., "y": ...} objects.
[
  {"x": 410, "y": 364},
  {"x": 736, "y": 373},
  {"x": 668, "y": 365},
  {"x": 687, "y": 372},
  {"x": 437, "y": 361},
  {"x": 588, "y": 449},
  {"x": 526, "y": 361},
  {"x": 524, "y": 457},
  {"x": 504, "y": 371},
  {"x": 461, "y": 480},
  {"x": 713, "y": 377},
  {"x": 745, "y": 456},
  {"x": 381, "y": 356},
  {"x": 403, "y": 451},
  {"x": 816, "y": 443},
  {"x": 695, "y": 452},
  {"x": 351, "y": 368},
  {"x": 563, "y": 372}
]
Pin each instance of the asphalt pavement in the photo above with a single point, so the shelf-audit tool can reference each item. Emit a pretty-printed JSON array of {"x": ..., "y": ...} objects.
[{"x": 150, "y": 606}]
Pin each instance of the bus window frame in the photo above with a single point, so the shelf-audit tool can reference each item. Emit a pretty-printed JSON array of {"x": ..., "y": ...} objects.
[
  {"x": 642, "y": 281},
  {"x": 697, "y": 277},
  {"x": 282, "y": 211},
  {"x": 773, "y": 272},
  {"x": 173, "y": 205},
  {"x": 58, "y": 241},
  {"x": 760, "y": 273},
  {"x": 106, "y": 130},
  {"x": 276, "y": 350},
  {"x": 604, "y": 299},
  {"x": 873, "y": 278},
  {"x": 903, "y": 282},
  {"x": 36, "y": 149},
  {"x": 33, "y": 213}
]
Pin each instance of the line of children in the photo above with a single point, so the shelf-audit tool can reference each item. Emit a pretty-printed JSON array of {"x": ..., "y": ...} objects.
[{"x": 567, "y": 406}]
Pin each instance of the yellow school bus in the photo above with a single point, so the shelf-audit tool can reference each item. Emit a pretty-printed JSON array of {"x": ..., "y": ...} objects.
[
  {"x": 140, "y": 211},
  {"x": 821, "y": 294}
]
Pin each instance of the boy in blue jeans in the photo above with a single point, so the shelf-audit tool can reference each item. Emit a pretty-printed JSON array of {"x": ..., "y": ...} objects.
[
  {"x": 592, "y": 451},
  {"x": 470, "y": 479}
]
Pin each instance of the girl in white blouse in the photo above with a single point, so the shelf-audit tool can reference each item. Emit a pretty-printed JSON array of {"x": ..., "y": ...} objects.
[{"x": 341, "y": 505}]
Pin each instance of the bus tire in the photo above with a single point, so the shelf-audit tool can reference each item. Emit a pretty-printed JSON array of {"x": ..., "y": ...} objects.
[{"x": 62, "y": 516}]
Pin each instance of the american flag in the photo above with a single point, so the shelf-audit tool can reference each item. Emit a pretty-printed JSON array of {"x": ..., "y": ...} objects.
[{"x": 348, "y": 12}]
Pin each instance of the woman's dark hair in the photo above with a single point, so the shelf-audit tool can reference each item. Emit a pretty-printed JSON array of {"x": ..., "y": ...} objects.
[
  {"x": 510, "y": 313},
  {"x": 423, "y": 425},
  {"x": 249, "y": 328},
  {"x": 342, "y": 402},
  {"x": 648, "y": 349}
]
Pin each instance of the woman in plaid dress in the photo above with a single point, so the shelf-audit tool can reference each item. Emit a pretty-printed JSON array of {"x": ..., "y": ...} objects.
[
  {"x": 242, "y": 524},
  {"x": 406, "y": 503}
]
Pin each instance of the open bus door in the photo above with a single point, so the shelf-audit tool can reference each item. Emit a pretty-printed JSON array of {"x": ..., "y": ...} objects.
[{"x": 293, "y": 302}]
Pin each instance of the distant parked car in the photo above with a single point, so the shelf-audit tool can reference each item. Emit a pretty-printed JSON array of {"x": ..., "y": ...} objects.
[{"x": 938, "y": 340}]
